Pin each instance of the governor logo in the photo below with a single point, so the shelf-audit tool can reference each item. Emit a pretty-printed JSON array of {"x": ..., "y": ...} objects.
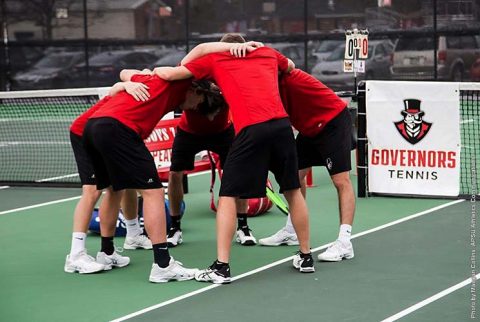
[{"x": 413, "y": 128}]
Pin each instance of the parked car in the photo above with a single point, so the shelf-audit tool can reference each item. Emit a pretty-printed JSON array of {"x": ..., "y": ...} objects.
[
  {"x": 377, "y": 66},
  {"x": 52, "y": 71},
  {"x": 105, "y": 67},
  {"x": 413, "y": 58},
  {"x": 173, "y": 58},
  {"x": 324, "y": 48},
  {"x": 295, "y": 52}
]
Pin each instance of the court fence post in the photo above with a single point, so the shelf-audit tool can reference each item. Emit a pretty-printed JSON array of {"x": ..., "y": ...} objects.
[{"x": 362, "y": 142}]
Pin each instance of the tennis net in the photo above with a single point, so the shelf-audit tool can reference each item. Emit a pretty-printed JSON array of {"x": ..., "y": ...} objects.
[{"x": 34, "y": 135}]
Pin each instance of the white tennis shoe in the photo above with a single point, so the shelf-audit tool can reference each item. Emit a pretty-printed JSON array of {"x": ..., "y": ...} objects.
[
  {"x": 114, "y": 260},
  {"x": 244, "y": 237},
  {"x": 281, "y": 237},
  {"x": 337, "y": 252},
  {"x": 173, "y": 272},
  {"x": 174, "y": 237},
  {"x": 140, "y": 241},
  {"x": 82, "y": 263}
]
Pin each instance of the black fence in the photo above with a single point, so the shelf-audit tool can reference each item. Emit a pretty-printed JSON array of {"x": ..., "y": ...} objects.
[{"x": 67, "y": 44}]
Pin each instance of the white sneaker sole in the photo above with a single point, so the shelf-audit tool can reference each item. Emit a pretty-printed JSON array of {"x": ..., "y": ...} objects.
[
  {"x": 170, "y": 244},
  {"x": 334, "y": 259},
  {"x": 287, "y": 243},
  {"x": 74, "y": 270},
  {"x": 165, "y": 280},
  {"x": 248, "y": 242},
  {"x": 304, "y": 269},
  {"x": 133, "y": 247}
]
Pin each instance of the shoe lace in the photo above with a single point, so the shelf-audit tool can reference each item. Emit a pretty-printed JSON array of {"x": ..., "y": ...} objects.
[
  {"x": 246, "y": 230},
  {"x": 84, "y": 253}
]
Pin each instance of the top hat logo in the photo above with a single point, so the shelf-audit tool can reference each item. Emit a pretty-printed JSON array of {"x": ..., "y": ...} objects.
[{"x": 413, "y": 128}]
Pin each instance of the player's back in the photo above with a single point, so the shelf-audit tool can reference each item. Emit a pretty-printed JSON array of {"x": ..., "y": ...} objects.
[{"x": 249, "y": 84}]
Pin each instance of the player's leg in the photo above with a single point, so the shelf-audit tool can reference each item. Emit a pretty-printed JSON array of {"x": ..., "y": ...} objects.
[
  {"x": 220, "y": 144},
  {"x": 243, "y": 234},
  {"x": 135, "y": 237},
  {"x": 131, "y": 166},
  {"x": 185, "y": 146},
  {"x": 108, "y": 213},
  {"x": 286, "y": 235},
  {"x": 164, "y": 268},
  {"x": 284, "y": 165},
  {"x": 244, "y": 175},
  {"x": 78, "y": 260},
  {"x": 175, "y": 198},
  {"x": 337, "y": 158}
]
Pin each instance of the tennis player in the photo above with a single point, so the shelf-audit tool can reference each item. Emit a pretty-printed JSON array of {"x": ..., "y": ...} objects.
[
  {"x": 196, "y": 133},
  {"x": 324, "y": 139},
  {"x": 78, "y": 260},
  {"x": 264, "y": 141},
  {"x": 114, "y": 137}
]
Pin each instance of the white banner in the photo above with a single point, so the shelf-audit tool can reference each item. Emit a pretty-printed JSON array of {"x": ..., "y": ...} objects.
[{"x": 413, "y": 131}]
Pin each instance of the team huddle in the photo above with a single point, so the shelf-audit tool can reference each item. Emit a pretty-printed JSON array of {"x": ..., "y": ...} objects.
[{"x": 240, "y": 100}]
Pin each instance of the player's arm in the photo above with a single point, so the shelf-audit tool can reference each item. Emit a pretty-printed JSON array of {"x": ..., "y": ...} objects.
[
  {"x": 138, "y": 91},
  {"x": 126, "y": 74},
  {"x": 172, "y": 73},
  {"x": 236, "y": 49}
]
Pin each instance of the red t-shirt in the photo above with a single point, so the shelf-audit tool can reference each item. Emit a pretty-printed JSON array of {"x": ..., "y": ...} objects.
[
  {"x": 78, "y": 125},
  {"x": 193, "y": 122},
  {"x": 309, "y": 103},
  {"x": 249, "y": 85},
  {"x": 142, "y": 117}
]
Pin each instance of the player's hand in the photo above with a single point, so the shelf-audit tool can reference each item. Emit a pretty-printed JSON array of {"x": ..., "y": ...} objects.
[
  {"x": 146, "y": 71},
  {"x": 241, "y": 50},
  {"x": 139, "y": 91},
  {"x": 255, "y": 44}
]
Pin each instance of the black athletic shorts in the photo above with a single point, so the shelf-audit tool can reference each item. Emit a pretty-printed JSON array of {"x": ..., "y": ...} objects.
[
  {"x": 120, "y": 158},
  {"x": 84, "y": 165},
  {"x": 186, "y": 145},
  {"x": 255, "y": 150},
  {"x": 330, "y": 148}
]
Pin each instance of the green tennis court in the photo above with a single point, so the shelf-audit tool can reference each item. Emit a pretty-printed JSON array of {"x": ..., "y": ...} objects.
[{"x": 396, "y": 266}]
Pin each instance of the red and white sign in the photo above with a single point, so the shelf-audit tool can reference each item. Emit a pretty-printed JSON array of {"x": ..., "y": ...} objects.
[{"x": 413, "y": 131}]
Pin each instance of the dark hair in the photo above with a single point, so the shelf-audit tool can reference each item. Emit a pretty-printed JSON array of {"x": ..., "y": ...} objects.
[
  {"x": 233, "y": 38},
  {"x": 213, "y": 101}
]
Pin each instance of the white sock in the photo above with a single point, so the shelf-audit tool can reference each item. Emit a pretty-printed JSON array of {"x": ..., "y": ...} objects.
[
  {"x": 78, "y": 243},
  {"x": 289, "y": 226},
  {"x": 133, "y": 227},
  {"x": 345, "y": 233}
]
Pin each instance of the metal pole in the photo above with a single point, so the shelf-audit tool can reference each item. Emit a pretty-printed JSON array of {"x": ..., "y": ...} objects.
[
  {"x": 435, "y": 40},
  {"x": 187, "y": 27},
  {"x": 6, "y": 52},
  {"x": 85, "y": 39},
  {"x": 362, "y": 143},
  {"x": 305, "y": 31}
]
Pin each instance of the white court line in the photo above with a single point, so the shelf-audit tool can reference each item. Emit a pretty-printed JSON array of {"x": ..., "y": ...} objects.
[
  {"x": 59, "y": 177},
  {"x": 429, "y": 300},
  {"x": 179, "y": 298},
  {"x": 68, "y": 199},
  {"x": 38, "y": 205}
]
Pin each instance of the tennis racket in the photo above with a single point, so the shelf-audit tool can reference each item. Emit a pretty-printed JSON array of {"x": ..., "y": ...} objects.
[{"x": 277, "y": 200}]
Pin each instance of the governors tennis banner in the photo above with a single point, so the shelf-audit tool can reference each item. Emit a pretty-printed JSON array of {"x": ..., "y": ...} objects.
[{"x": 413, "y": 131}]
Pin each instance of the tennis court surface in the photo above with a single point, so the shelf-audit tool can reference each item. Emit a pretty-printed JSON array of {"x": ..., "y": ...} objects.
[{"x": 411, "y": 257}]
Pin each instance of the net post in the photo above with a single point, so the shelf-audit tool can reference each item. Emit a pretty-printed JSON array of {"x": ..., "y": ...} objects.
[
  {"x": 310, "y": 183},
  {"x": 362, "y": 142}
]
